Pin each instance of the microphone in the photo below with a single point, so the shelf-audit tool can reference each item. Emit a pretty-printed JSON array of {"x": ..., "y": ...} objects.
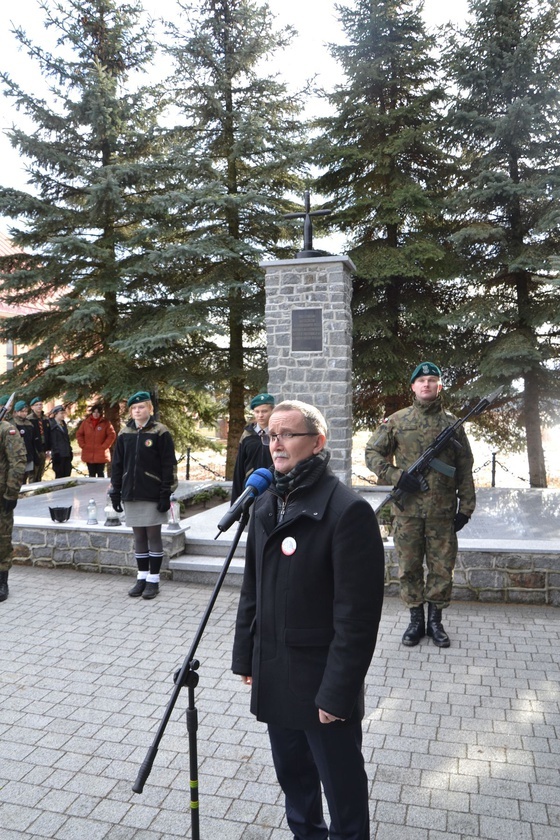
[{"x": 259, "y": 481}]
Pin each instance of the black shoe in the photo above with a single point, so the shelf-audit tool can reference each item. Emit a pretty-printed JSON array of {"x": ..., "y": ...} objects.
[
  {"x": 435, "y": 629},
  {"x": 150, "y": 591},
  {"x": 4, "y": 591},
  {"x": 137, "y": 589},
  {"x": 416, "y": 630}
]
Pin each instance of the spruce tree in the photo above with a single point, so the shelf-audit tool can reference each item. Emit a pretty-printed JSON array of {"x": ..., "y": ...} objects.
[
  {"x": 238, "y": 151},
  {"x": 385, "y": 178},
  {"x": 506, "y": 126},
  {"x": 96, "y": 162}
]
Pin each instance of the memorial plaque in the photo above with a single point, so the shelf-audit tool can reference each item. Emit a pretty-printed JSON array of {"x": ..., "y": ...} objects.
[{"x": 307, "y": 330}]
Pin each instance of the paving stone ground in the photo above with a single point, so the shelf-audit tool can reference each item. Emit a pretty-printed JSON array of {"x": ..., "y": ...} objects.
[{"x": 459, "y": 743}]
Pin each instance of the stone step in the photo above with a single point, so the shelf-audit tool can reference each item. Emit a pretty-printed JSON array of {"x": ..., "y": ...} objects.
[
  {"x": 204, "y": 546},
  {"x": 205, "y": 569}
]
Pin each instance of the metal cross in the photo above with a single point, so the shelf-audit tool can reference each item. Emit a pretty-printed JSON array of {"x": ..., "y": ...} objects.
[{"x": 308, "y": 215}]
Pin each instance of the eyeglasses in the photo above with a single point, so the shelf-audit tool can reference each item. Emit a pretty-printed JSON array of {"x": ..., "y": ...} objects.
[{"x": 283, "y": 436}]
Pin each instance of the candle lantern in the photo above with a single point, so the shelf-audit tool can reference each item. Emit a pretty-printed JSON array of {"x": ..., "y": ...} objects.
[
  {"x": 112, "y": 518},
  {"x": 174, "y": 523},
  {"x": 92, "y": 512}
]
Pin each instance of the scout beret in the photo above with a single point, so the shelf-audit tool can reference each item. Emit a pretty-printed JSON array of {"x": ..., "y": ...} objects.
[
  {"x": 56, "y": 409},
  {"x": 35, "y": 400},
  {"x": 425, "y": 369},
  {"x": 138, "y": 397},
  {"x": 262, "y": 399},
  {"x": 4, "y": 400},
  {"x": 21, "y": 404}
]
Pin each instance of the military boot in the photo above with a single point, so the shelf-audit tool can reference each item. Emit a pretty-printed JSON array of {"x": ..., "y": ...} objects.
[
  {"x": 435, "y": 629},
  {"x": 416, "y": 630},
  {"x": 4, "y": 586}
]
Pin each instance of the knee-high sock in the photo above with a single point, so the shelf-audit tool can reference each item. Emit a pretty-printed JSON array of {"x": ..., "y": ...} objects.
[{"x": 143, "y": 563}]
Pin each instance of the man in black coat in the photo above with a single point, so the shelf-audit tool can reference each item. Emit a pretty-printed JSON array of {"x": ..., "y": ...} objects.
[{"x": 307, "y": 625}]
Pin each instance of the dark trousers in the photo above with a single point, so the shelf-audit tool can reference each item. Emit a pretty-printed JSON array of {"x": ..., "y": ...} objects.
[
  {"x": 331, "y": 754},
  {"x": 96, "y": 470},
  {"x": 62, "y": 467}
]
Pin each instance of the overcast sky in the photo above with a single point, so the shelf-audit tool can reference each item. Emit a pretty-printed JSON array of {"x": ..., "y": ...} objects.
[{"x": 315, "y": 21}]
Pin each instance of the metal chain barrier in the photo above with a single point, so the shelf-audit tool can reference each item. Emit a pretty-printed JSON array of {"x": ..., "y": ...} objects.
[{"x": 190, "y": 457}]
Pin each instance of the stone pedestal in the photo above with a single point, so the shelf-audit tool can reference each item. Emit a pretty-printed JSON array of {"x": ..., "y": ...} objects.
[{"x": 309, "y": 342}]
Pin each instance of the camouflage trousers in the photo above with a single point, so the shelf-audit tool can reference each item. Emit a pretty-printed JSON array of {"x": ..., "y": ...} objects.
[
  {"x": 6, "y": 548},
  {"x": 434, "y": 539}
]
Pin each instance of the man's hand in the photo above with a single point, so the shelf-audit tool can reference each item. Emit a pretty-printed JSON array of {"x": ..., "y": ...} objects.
[
  {"x": 247, "y": 680},
  {"x": 460, "y": 521},
  {"x": 408, "y": 483},
  {"x": 8, "y": 504},
  {"x": 324, "y": 717}
]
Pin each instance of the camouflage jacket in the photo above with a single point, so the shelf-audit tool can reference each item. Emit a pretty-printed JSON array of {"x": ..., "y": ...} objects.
[
  {"x": 402, "y": 438},
  {"x": 13, "y": 458}
]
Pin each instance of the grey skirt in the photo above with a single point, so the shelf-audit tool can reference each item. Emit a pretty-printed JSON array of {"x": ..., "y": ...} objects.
[{"x": 143, "y": 514}]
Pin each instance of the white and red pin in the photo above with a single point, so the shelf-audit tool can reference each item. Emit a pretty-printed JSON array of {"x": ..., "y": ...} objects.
[{"x": 289, "y": 546}]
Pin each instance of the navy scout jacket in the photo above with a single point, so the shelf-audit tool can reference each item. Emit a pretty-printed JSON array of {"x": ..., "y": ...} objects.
[{"x": 144, "y": 463}]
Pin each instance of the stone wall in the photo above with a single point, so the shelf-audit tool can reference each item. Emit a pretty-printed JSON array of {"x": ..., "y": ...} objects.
[
  {"x": 515, "y": 577},
  {"x": 91, "y": 549}
]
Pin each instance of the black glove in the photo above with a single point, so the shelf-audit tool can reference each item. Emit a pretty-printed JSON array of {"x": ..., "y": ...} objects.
[
  {"x": 116, "y": 501},
  {"x": 409, "y": 483},
  {"x": 8, "y": 504},
  {"x": 164, "y": 503},
  {"x": 460, "y": 521}
]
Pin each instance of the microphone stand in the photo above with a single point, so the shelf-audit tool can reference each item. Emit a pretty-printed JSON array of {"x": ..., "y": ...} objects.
[{"x": 188, "y": 676}]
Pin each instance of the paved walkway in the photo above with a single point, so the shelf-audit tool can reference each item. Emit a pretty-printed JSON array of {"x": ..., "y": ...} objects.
[{"x": 459, "y": 743}]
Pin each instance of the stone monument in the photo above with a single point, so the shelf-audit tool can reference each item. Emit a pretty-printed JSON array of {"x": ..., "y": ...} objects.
[{"x": 309, "y": 337}]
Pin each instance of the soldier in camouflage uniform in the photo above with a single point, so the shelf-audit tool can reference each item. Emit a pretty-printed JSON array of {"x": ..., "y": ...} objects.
[
  {"x": 431, "y": 516},
  {"x": 13, "y": 458}
]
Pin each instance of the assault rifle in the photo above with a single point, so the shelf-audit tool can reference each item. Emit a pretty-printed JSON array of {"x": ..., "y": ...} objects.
[
  {"x": 8, "y": 407},
  {"x": 429, "y": 458}
]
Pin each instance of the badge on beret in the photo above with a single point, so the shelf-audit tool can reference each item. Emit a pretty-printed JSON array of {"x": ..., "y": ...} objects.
[
  {"x": 148, "y": 442},
  {"x": 289, "y": 546}
]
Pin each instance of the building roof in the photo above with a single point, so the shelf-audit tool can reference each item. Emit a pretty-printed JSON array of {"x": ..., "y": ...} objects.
[{"x": 6, "y": 247}]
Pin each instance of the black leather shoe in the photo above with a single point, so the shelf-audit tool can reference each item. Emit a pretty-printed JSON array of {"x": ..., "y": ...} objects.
[
  {"x": 435, "y": 629},
  {"x": 151, "y": 590},
  {"x": 137, "y": 589},
  {"x": 416, "y": 630},
  {"x": 4, "y": 591}
]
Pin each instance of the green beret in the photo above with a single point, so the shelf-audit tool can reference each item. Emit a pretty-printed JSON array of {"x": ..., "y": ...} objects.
[
  {"x": 4, "y": 400},
  {"x": 35, "y": 400},
  {"x": 262, "y": 399},
  {"x": 138, "y": 397},
  {"x": 425, "y": 369},
  {"x": 21, "y": 404}
]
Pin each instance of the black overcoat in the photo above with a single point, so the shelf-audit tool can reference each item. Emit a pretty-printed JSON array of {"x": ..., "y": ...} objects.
[{"x": 307, "y": 621}]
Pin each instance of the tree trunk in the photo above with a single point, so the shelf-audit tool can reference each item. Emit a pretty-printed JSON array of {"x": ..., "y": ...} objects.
[
  {"x": 113, "y": 415},
  {"x": 236, "y": 404},
  {"x": 532, "y": 422}
]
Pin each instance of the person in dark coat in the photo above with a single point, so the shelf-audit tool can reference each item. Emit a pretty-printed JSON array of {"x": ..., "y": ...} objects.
[
  {"x": 252, "y": 454},
  {"x": 143, "y": 477},
  {"x": 42, "y": 434},
  {"x": 307, "y": 624},
  {"x": 61, "y": 448}
]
